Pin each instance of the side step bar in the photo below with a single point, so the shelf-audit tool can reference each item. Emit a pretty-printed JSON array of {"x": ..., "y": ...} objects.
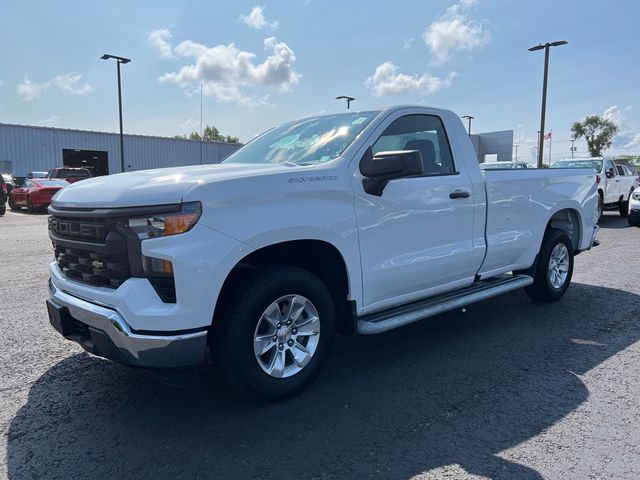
[{"x": 399, "y": 316}]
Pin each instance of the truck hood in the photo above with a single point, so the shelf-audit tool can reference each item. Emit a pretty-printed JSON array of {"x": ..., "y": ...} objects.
[{"x": 153, "y": 187}]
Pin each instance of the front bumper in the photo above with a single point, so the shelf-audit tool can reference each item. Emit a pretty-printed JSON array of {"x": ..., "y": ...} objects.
[{"x": 104, "y": 332}]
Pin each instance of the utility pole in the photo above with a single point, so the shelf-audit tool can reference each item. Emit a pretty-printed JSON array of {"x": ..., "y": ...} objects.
[
  {"x": 201, "y": 138},
  {"x": 469, "y": 118},
  {"x": 347, "y": 98},
  {"x": 546, "y": 48},
  {"x": 516, "y": 147},
  {"x": 119, "y": 60}
]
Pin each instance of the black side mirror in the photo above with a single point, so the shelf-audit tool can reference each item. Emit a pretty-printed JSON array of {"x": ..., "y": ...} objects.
[
  {"x": 387, "y": 166},
  {"x": 609, "y": 173}
]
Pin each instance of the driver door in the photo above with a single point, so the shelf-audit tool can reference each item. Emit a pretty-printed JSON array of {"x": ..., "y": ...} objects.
[{"x": 416, "y": 238}]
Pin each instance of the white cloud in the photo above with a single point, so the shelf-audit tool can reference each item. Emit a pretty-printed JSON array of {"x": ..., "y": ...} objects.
[
  {"x": 257, "y": 20},
  {"x": 454, "y": 31},
  {"x": 49, "y": 121},
  {"x": 407, "y": 43},
  {"x": 160, "y": 40},
  {"x": 387, "y": 81},
  {"x": 68, "y": 83},
  {"x": 189, "y": 124},
  {"x": 29, "y": 90},
  {"x": 627, "y": 138},
  {"x": 224, "y": 70}
]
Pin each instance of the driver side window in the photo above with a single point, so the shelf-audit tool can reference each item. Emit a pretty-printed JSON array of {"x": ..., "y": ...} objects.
[{"x": 424, "y": 133}]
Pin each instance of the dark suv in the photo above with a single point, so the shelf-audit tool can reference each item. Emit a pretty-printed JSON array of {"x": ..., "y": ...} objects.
[{"x": 3, "y": 195}]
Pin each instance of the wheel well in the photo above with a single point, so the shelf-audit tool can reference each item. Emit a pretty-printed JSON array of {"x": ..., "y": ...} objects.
[
  {"x": 568, "y": 220},
  {"x": 316, "y": 256}
]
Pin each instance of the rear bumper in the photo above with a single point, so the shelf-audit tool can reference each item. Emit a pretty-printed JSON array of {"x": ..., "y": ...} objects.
[{"x": 104, "y": 332}]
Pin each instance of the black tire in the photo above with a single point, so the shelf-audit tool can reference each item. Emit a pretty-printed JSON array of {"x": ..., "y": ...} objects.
[
  {"x": 235, "y": 324},
  {"x": 30, "y": 208},
  {"x": 600, "y": 207},
  {"x": 623, "y": 209},
  {"x": 3, "y": 209},
  {"x": 624, "y": 206},
  {"x": 542, "y": 290},
  {"x": 12, "y": 204}
]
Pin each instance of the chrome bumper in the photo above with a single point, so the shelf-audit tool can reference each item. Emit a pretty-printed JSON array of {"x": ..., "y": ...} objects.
[{"x": 105, "y": 333}]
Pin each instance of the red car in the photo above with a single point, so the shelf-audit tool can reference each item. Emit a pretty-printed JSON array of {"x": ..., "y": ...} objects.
[
  {"x": 34, "y": 193},
  {"x": 70, "y": 174}
]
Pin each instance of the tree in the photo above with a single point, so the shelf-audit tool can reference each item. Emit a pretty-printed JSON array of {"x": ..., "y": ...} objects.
[
  {"x": 210, "y": 134},
  {"x": 597, "y": 131}
]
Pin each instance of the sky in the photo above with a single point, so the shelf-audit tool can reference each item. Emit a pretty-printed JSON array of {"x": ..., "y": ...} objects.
[{"x": 264, "y": 63}]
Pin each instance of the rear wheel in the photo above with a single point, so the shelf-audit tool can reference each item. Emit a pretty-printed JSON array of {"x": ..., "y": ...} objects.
[
  {"x": 552, "y": 274},
  {"x": 3, "y": 208},
  {"x": 30, "y": 208},
  {"x": 272, "y": 336},
  {"x": 600, "y": 207},
  {"x": 12, "y": 204},
  {"x": 623, "y": 209}
]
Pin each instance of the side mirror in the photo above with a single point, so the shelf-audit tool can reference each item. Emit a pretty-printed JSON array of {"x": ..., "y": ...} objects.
[
  {"x": 609, "y": 173},
  {"x": 387, "y": 166}
]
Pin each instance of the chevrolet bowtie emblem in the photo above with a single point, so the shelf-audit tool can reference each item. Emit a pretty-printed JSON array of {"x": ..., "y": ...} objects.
[{"x": 97, "y": 264}]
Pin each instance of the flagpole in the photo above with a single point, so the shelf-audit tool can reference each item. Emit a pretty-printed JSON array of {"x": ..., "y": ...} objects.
[{"x": 550, "y": 141}]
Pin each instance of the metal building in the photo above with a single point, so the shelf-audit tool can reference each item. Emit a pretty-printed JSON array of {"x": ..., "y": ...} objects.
[
  {"x": 25, "y": 148},
  {"x": 498, "y": 144}
]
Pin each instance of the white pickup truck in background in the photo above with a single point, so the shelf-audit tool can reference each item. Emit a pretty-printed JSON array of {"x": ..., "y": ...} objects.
[
  {"x": 355, "y": 222},
  {"x": 616, "y": 183}
]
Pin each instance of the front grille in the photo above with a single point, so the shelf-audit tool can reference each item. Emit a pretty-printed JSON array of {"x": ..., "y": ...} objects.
[
  {"x": 90, "y": 250},
  {"x": 95, "y": 268}
]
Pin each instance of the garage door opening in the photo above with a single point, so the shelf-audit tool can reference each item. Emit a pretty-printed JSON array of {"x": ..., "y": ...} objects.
[{"x": 96, "y": 161}]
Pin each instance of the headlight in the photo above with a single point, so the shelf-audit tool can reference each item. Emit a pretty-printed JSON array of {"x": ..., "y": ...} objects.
[{"x": 163, "y": 225}]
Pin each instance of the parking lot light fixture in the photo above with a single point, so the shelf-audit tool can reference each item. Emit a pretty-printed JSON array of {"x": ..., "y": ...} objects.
[
  {"x": 535, "y": 48},
  {"x": 119, "y": 60}
]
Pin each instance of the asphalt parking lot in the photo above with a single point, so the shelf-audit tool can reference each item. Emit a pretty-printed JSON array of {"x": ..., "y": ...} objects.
[{"x": 507, "y": 389}]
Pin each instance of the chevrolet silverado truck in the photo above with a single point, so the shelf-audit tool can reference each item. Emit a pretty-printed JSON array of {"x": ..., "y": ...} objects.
[{"x": 353, "y": 223}]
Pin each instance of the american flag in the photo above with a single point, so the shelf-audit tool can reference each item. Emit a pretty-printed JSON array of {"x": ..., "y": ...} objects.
[{"x": 547, "y": 136}]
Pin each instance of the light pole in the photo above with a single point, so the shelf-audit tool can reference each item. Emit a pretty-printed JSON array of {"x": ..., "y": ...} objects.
[
  {"x": 546, "y": 47},
  {"x": 348, "y": 99},
  {"x": 119, "y": 60},
  {"x": 469, "y": 117}
]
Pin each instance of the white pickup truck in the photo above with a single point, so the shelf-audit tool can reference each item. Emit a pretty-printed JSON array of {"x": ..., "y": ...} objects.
[
  {"x": 615, "y": 183},
  {"x": 355, "y": 223}
]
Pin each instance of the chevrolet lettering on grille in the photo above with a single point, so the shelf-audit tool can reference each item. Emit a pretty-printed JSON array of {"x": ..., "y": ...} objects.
[{"x": 76, "y": 229}]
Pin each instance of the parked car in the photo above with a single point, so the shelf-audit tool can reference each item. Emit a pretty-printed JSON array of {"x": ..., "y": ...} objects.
[
  {"x": 502, "y": 165},
  {"x": 357, "y": 222},
  {"x": 35, "y": 193},
  {"x": 37, "y": 174},
  {"x": 3, "y": 195},
  {"x": 633, "y": 215},
  {"x": 614, "y": 189},
  {"x": 70, "y": 174}
]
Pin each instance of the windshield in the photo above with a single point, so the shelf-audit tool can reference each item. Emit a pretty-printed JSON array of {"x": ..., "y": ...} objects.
[
  {"x": 305, "y": 142},
  {"x": 64, "y": 173},
  {"x": 52, "y": 183},
  {"x": 595, "y": 164}
]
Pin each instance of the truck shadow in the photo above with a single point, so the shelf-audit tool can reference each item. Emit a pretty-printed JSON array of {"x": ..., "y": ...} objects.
[
  {"x": 458, "y": 389},
  {"x": 613, "y": 220}
]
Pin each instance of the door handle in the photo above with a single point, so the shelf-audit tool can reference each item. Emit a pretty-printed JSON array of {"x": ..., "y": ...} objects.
[{"x": 460, "y": 194}]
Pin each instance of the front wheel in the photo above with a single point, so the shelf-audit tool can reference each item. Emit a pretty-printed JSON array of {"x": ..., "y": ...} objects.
[
  {"x": 554, "y": 269},
  {"x": 30, "y": 207},
  {"x": 272, "y": 336},
  {"x": 12, "y": 204}
]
